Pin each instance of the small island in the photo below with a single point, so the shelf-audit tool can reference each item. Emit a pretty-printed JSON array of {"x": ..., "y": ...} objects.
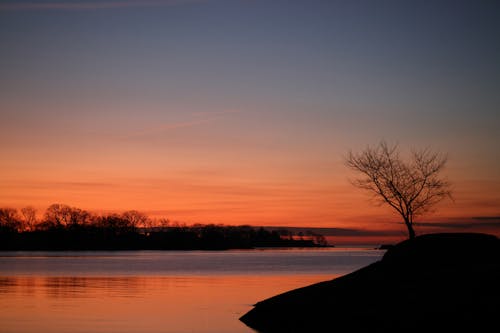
[{"x": 432, "y": 282}]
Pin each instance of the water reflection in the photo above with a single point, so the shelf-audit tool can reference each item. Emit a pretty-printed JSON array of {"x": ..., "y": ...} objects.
[
  {"x": 184, "y": 263},
  {"x": 73, "y": 287},
  {"x": 155, "y": 291},
  {"x": 165, "y": 304}
]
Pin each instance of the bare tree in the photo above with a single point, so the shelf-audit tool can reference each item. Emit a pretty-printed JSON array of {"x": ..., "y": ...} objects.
[
  {"x": 29, "y": 218},
  {"x": 64, "y": 215},
  {"x": 9, "y": 220},
  {"x": 137, "y": 219},
  {"x": 410, "y": 187}
]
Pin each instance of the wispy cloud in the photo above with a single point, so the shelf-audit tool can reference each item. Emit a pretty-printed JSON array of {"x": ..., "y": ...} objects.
[
  {"x": 341, "y": 232},
  {"x": 472, "y": 223},
  {"x": 496, "y": 218},
  {"x": 167, "y": 127},
  {"x": 88, "y": 5},
  {"x": 197, "y": 118},
  {"x": 214, "y": 113},
  {"x": 48, "y": 185}
]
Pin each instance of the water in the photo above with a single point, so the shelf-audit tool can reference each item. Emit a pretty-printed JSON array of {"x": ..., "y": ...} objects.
[{"x": 154, "y": 291}]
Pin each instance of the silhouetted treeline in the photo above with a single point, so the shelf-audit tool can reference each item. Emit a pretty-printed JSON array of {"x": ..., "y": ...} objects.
[{"x": 68, "y": 228}]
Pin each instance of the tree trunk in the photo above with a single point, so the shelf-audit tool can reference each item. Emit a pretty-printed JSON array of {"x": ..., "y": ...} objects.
[{"x": 411, "y": 232}]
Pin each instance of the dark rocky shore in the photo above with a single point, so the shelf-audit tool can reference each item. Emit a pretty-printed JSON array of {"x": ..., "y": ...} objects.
[{"x": 434, "y": 282}]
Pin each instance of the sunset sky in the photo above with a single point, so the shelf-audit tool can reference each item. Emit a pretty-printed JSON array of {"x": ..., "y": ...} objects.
[{"x": 241, "y": 111}]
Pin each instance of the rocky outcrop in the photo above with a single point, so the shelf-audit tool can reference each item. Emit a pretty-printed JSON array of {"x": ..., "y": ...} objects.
[{"x": 434, "y": 282}]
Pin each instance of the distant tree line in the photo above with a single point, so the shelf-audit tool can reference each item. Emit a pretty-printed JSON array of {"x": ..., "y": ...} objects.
[{"x": 69, "y": 228}]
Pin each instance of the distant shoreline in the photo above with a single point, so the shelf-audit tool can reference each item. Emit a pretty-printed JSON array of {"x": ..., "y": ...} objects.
[
  {"x": 208, "y": 237},
  {"x": 65, "y": 228}
]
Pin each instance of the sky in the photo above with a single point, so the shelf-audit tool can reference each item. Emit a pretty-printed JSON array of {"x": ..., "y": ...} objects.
[{"x": 242, "y": 111}]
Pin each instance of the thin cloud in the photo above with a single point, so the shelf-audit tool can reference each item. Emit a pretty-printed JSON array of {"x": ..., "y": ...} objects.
[
  {"x": 492, "y": 222},
  {"x": 200, "y": 118},
  {"x": 497, "y": 218},
  {"x": 167, "y": 127},
  {"x": 89, "y": 5},
  {"x": 214, "y": 113},
  {"x": 340, "y": 232},
  {"x": 171, "y": 126},
  {"x": 45, "y": 185}
]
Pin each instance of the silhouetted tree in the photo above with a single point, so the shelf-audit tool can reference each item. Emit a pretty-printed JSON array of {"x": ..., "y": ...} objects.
[
  {"x": 28, "y": 218},
  {"x": 137, "y": 219},
  {"x": 317, "y": 238},
  {"x": 410, "y": 187},
  {"x": 9, "y": 220},
  {"x": 163, "y": 223},
  {"x": 69, "y": 228},
  {"x": 60, "y": 215}
]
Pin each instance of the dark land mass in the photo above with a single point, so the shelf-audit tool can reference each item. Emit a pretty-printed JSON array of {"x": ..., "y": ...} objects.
[
  {"x": 110, "y": 237},
  {"x": 434, "y": 282},
  {"x": 65, "y": 228}
]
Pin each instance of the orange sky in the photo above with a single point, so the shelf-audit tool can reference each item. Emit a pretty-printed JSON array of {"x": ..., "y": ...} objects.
[{"x": 273, "y": 196}]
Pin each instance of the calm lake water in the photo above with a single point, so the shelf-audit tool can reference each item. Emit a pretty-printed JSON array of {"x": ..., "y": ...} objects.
[{"x": 155, "y": 291}]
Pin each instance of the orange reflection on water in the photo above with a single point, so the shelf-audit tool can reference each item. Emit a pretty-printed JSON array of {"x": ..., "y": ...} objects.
[{"x": 136, "y": 304}]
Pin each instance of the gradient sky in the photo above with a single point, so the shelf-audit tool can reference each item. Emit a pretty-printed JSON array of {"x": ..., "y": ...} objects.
[{"x": 241, "y": 111}]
